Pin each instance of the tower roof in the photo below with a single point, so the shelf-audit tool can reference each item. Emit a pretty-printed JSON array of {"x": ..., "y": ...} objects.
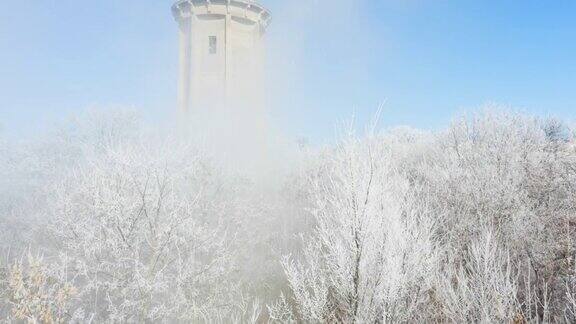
[{"x": 247, "y": 11}]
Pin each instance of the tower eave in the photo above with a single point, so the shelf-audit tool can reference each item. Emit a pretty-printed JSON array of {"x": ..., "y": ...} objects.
[{"x": 242, "y": 9}]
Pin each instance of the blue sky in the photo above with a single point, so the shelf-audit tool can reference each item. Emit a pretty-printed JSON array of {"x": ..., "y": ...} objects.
[{"x": 425, "y": 60}]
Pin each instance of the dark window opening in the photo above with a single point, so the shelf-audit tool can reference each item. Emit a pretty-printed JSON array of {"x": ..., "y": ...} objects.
[{"x": 212, "y": 42}]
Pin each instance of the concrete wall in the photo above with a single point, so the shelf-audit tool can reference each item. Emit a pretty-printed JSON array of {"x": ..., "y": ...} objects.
[{"x": 231, "y": 77}]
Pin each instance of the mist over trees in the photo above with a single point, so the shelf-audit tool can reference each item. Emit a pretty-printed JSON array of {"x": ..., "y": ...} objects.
[{"x": 103, "y": 220}]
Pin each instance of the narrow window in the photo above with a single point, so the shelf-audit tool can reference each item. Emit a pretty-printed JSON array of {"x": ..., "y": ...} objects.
[{"x": 212, "y": 44}]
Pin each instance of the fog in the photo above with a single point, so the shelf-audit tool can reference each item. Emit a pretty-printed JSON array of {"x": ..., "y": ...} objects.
[
  {"x": 107, "y": 219},
  {"x": 251, "y": 130},
  {"x": 226, "y": 216}
]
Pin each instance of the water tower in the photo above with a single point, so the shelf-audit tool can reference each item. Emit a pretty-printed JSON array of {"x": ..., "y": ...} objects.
[{"x": 220, "y": 53}]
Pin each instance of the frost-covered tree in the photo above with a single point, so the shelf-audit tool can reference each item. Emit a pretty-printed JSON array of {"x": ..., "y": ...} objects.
[
  {"x": 481, "y": 287},
  {"x": 507, "y": 176},
  {"x": 105, "y": 221},
  {"x": 149, "y": 245},
  {"x": 147, "y": 225},
  {"x": 370, "y": 253},
  {"x": 491, "y": 198}
]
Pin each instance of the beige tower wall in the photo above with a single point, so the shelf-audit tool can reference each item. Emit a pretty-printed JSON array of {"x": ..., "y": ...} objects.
[
  {"x": 208, "y": 70},
  {"x": 220, "y": 55},
  {"x": 245, "y": 64},
  {"x": 221, "y": 83},
  {"x": 184, "y": 64}
]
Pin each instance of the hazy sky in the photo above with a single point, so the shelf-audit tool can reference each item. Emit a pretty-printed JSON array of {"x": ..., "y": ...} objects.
[{"x": 427, "y": 60}]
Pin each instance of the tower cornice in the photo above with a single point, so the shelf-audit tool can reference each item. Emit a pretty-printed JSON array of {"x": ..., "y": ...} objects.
[{"x": 247, "y": 11}]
